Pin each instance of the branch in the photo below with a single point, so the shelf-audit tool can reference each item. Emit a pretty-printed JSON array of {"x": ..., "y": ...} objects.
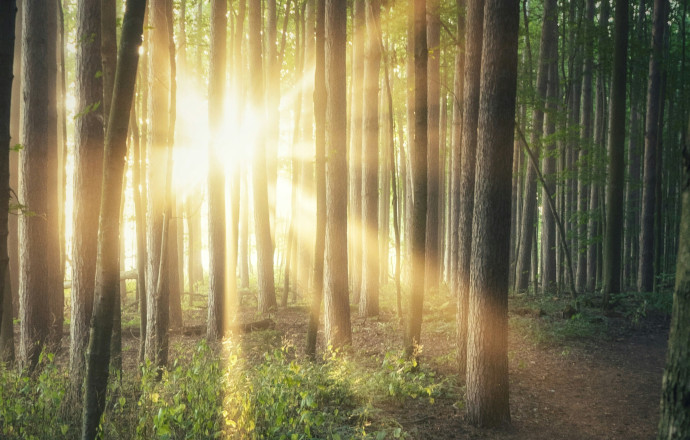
[{"x": 552, "y": 207}]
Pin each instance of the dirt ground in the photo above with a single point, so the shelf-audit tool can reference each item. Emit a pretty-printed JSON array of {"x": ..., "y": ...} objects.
[{"x": 603, "y": 389}]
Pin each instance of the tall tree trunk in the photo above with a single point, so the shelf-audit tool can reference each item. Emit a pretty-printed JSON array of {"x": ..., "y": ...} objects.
[
  {"x": 7, "y": 47},
  {"x": 645, "y": 272},
  {"x": 675, "y": 390},
  {"x": 107, "y": 269},
  {"x": 548, "y": 236},
  {"x": 39, "y": 267},
  {"x": 549, "y": 37},
  {"x": 585, "y": 147},
  {"x": 369, "y": 300},
  {"x": 418, "y": 156},
  {"x": 456, "y": 149},
  {"x": 473, "y": 57},
  {"x": 216, "y": 181},
  {"x": 174, "y": 268},
  {"x": 337, "y": 322},
  {"x": 272, "y": 110},
  {"x": 355, "y": 178},
  {"x": 594, "y": 226},
  {"x": 320, "y": 99},
  {"x": 487, "y": 353},
  {"x": 156, "y": 349},
  {"x": 264, "y": 246},
  {"x": 616, "y": 149},
  {"x": 88, "y": 167},
  {"x": 433, "y": 31},
  {"x": 243, "y": 254},
  {"x": 10, "y": 298}
]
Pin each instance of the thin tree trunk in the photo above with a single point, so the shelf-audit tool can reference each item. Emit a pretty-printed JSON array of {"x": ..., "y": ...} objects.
[
  {"x": 264, "y": 245},
  {"x": 433, "y": 30},
  {"x": 418, "y": 155},
  {"x": 369, "y": 299},
  {"x": 356, "y": 224},
  {"x": 645, "y": 273},
  {"x": 456, "y": 148},
  {"x": 549, "y": 36},
  {"x": 320, "y": 99},
  {"x": 107, "y": 270},
  {"x": 616, "y": 139},
  {"x": 216, "y": 179}
]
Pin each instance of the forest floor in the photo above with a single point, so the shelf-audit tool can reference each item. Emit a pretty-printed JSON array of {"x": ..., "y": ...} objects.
[
  {"x": 590, "y": 376},
  {"x": 575, "y": 373},
  {"x": 587, "y": 377}
]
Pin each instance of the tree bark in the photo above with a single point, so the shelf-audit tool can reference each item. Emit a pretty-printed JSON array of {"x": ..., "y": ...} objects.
[
  {"x": 675, "y": 390},
  {"x": 418, "y": 156},
  {"x": 456, "y": 149},
  {"x": 487, "y": 348},
  {"x": 549, "y": 37},
  {"x": 433, "y": 31},
  {"x": 473, "y": 57},
  {"x": 337, "y": 322},
  {"x": 320, "y": 99},
  {"x": 355, "y": 178},
  {"x": 88, "y": 165},
  {"x": 7, "y": 46},
  {"x": 157, "y": 311},
  {"x": 216, "y": 180},
  {"x": 616, "y": 148},
  {"x": 264, "y": 245},
  {"x": 107, "y": 269},
  {"x": 39, "y": 271},
  {"x": 645, "y": 272},
  {"x": 369, "y": 300}
]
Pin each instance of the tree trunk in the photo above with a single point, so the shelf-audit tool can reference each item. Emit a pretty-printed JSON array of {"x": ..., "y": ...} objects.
[
  {"x": 107, "y": 270},
  {"x": 616, "y": 149},
  {"x": 39, "y": 271},
  {"x": 549, "y": 37},
  {"x": 337, "y": 322},
  {"x": 159, "y": 82},
  {"x": 473, "y": 57},
  {"x": 585, "y": 148},
  {"x": 369, "y": 300},
  {"x": 88, "y": 165},
  {"x": 320, "y": 99},
  {"x": 10, "y": 298},
  {"x": 216, "y": 181},
  {"x": 645, "y": 272},
  {"x": 264, "y": 245},
  {"x": 548, "y": 236},
  {"x": 418, "y": 156},
  {"x": 594, "y": 226},
  {"x": 456, "y": 149},
  {"x": 433, "y": 31},
  {"x": 487, "y": 348},
  {"x": 355, "y": 178},
  {"x": 7, "y": 47},
  {"x": 675, "y": 390}
]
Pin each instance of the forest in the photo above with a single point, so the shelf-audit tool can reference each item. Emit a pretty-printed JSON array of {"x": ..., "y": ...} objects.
[{"x": 344, "y": 219}]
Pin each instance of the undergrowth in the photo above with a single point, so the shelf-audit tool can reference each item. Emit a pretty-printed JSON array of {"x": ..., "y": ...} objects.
[{"x": 219, "y": 393}]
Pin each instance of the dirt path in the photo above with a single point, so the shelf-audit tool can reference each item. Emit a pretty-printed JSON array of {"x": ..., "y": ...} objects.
[{"x": 606, "y": 391}]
